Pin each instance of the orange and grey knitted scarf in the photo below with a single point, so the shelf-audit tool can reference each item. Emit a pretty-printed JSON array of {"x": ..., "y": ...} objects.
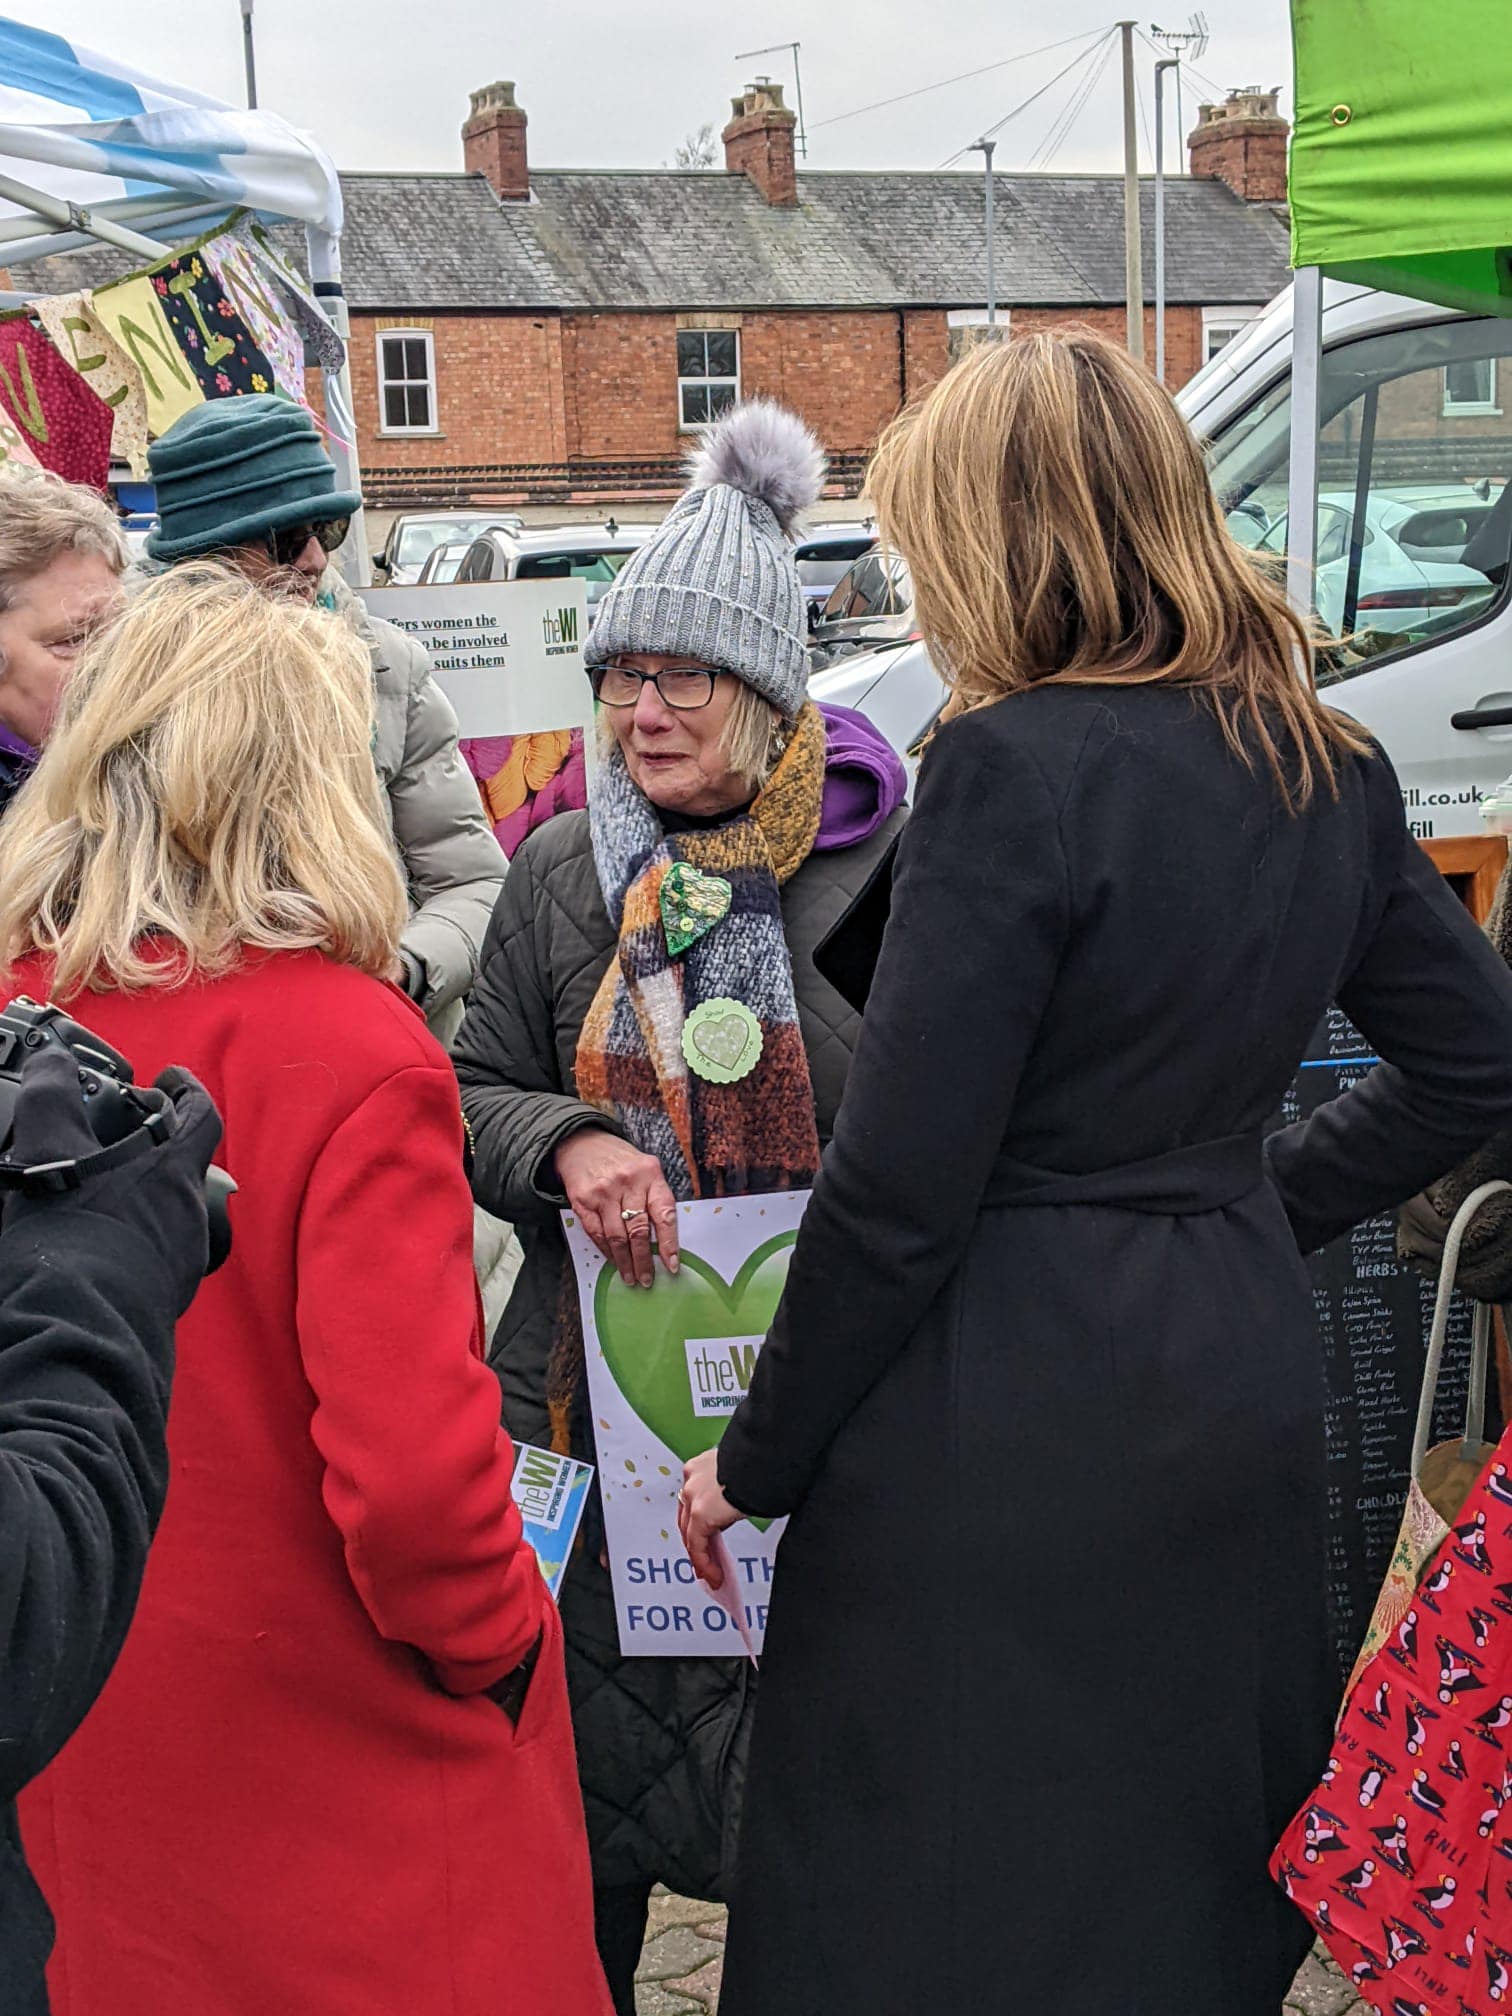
[{"x": 712, "y": 1139}]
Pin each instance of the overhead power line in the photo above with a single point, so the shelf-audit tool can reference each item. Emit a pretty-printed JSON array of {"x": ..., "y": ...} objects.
[
  {"x": 1024, "y": 57},
  {"x": 1080, "y": 98},
  {"x": 1033, "y": 98}
]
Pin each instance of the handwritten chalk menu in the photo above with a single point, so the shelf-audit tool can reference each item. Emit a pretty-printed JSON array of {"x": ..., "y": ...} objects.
[{"x": 1373, "y": 1317}]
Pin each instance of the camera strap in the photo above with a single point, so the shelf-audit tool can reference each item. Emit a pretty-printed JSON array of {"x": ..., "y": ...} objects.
[{"x": 50, "y": 1179}]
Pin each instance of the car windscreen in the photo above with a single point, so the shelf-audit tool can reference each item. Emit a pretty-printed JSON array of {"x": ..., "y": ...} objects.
[
  {"x": 596, "y": 565},
  {"x": 822, "y": 573},
  {"x": 423, "y": 535}
]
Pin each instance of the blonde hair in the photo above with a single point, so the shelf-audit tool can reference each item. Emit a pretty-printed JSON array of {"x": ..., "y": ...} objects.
[
  {"x": 754, "y": 737},
  {"x": 209, "y": 784},
  {"x": 1058, "y": 522},
  {"x": 41, "y": 518}
]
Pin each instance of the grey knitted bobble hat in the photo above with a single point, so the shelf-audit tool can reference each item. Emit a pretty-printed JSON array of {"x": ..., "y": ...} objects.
[{"x": 717, "y": 580}]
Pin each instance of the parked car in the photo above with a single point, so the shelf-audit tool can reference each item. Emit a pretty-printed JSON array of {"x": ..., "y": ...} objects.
[
  {"x": 1412, "y": 404},
  {"x": 590, "y": 553},
  {"x": 1409, "y": 563},
  {"x": 824, "y": 554},
  {"x": 895, "y": 686},
  {"x": 442, "y": 562},
  {"x": 871, "y": 603},
  {"x": 415, "y": 534}
]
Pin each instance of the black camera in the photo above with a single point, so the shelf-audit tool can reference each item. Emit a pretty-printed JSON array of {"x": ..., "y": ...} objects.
[{"x": 119, "y": 1112}]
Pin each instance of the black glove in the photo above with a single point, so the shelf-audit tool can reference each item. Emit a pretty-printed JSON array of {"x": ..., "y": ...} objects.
[{"x": 159, "y": 1197}]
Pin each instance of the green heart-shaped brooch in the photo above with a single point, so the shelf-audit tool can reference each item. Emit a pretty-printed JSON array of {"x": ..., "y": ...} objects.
[{"x": 691, "y": 904}]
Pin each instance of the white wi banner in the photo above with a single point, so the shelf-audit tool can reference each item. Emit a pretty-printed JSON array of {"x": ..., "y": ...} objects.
[{"x": 507, "y": 654}]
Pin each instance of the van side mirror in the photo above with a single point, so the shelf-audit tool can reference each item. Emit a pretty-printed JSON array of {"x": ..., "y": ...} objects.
[{"x": 382, "y": 564}]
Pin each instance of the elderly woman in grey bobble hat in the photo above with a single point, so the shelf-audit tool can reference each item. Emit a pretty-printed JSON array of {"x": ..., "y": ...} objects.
[{"x": 731, "y": 823}]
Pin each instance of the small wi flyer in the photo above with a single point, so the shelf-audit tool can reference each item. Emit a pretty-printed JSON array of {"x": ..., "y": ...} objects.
[{"x": 667, "y": 1367}]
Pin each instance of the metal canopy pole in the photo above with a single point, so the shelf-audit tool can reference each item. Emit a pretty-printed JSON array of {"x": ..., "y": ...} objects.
[
  {"x": 69, "y": 217},
  {"x": 341, "y": 419},
  {"x": 249, "y": 55},
  {"x": 1306, "y": 420}
]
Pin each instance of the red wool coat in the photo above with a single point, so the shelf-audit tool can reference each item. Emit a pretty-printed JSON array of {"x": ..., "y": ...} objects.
[{"x": 292, "y": 1795}]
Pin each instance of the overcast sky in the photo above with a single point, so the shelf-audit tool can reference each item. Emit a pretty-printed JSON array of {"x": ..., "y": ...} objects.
[{"x": 618, "y": 83}]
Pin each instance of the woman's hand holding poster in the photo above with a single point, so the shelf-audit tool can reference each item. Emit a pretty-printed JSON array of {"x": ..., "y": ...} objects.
[{"x": 667, "y": 1367}]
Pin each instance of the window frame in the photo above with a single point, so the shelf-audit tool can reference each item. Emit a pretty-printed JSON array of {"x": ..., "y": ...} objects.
[
  {"x": 706, "y": 380},
  {"x": 1234, "y": 319},
  {"x": 1469, "y": 409},
  {"x": 427, "y": 337}
]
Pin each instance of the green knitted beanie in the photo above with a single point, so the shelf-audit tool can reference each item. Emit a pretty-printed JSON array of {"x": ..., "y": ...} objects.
[{"x": 234, "y": 469}]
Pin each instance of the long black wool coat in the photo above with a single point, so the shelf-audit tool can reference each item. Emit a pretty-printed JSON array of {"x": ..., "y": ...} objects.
[{"x": 1047, "y": 1667}]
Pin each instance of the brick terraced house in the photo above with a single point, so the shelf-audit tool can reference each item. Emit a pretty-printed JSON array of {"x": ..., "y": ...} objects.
[{"x": 553, "y": 336}]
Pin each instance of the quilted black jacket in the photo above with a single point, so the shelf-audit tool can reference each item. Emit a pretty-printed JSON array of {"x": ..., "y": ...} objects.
[{"x": 661, "y": 1742}]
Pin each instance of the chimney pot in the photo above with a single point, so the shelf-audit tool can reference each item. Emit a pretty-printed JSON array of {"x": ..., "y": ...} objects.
[
  {"x": 759, "y": 142},
  {"x": 493, "y": 142},
  {"x": 1242, "y": 142}
]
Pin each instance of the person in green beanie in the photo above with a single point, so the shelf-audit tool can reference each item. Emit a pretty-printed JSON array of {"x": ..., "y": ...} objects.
[{"x": 247, "y": 480}]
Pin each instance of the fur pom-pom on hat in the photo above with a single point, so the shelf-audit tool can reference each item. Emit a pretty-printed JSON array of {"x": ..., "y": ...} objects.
[
  {"x": 717, "y": 581},
  {"x": 766, "y": 452}
]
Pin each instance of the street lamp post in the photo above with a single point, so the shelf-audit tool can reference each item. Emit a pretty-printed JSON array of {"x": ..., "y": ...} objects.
[
  {"x": 1166, "y": 63},
  {"x": 987, "y": 148}
]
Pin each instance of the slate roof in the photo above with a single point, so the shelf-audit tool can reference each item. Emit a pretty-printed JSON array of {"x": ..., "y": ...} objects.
[{"x": 668, "y": 239}]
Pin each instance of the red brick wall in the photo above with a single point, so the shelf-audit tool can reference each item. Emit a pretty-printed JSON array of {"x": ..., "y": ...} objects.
[
  {"x": 1183, "y": 333},
  {"x": 623, "y": 372},
  {"x": 520, "y": 388},
  {"x": 842, "y": 371}
]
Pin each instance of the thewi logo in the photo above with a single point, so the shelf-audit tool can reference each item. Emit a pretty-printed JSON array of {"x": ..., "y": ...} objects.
[
  {"x": 719, "y": 1371},
  {"x": 560, "y": 629}
]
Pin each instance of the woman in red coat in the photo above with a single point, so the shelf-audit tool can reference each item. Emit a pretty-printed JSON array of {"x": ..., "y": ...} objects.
[{"x": 333, "y": 1771}]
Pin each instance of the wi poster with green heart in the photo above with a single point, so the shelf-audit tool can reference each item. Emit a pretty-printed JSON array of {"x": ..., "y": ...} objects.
[{"x": 667, "y": 1367}]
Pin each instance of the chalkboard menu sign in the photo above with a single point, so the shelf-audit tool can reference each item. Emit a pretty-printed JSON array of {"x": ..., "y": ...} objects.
[{"x": 1373, "y": 1317}]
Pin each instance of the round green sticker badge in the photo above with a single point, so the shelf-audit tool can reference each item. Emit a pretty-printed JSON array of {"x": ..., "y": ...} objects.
[{"x": 722, "y": 1041}]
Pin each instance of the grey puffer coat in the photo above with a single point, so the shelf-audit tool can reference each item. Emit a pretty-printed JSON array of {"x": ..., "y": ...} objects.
[
  {"x": 452, "y": 862},
  {"x": 661, "y": 1742},
  {"x": 453, "y": 866}
]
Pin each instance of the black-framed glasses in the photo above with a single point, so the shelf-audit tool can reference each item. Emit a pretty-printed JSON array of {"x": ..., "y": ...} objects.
[
  {"x": 287, "y": 542},
  {"x": 681, "y": 687}
]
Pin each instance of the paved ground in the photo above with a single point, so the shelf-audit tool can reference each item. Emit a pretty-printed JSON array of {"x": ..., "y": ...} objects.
[{"x": 684, "y": 1956}]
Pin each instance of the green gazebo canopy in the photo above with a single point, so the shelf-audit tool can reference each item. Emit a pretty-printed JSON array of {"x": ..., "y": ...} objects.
[{"x": 1401, "y": 156}]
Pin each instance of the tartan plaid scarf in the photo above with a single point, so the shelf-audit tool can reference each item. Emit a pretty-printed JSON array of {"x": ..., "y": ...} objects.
[{"x": 711, "y": 1140}]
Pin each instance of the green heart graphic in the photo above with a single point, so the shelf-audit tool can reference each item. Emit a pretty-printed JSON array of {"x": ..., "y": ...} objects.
[
  {"x": 644, "y": 1334},
  {"x": 722, "y": 1042},
  {"x": 691, "y": 904}
]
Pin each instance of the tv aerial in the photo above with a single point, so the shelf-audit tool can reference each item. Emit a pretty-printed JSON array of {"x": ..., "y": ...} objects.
[{"x": 1189, "y": 43}]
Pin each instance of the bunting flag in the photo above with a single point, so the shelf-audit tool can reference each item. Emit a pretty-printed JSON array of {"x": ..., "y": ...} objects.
[
  {"x": 67, "y": 426},
  {"x": 83, "y": 339},
  {"x": 322, "y": 345},
  {"x": 253, "y": 294},
  {"x": 133, "y": 315},
  {"x": 208, "y": 330},
  {"x": 13, "y": 448}
]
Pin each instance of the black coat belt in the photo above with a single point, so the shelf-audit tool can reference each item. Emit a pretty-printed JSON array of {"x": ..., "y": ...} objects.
[{"x": 1206, "y": 1176}]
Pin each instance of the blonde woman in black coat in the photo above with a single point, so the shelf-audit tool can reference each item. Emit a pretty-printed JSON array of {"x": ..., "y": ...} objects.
[{"x": 1047, "y": 1666}]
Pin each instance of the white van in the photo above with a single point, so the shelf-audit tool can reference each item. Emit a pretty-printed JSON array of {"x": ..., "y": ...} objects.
[{"x": 1415, "y": 523}]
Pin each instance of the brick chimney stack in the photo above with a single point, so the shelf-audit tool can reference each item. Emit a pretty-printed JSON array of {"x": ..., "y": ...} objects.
[
  {"x": 493, "y": 142},
  {"x": 759, "y": 142},
  {"x": 1242, "y": 142}
]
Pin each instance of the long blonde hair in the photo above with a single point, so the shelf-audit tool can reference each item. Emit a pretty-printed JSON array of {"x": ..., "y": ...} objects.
[
  {"x": 209, "y": 787},
  {"x": 1058, "y": 522}
]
